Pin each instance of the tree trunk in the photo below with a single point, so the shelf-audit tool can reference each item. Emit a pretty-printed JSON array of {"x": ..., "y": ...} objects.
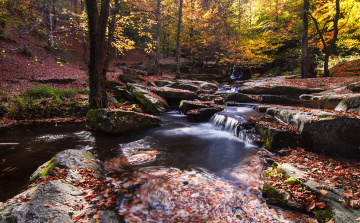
[
  {"x": 97, "y": 33},
  {"x": 332, "y": 44},
  {"x": 305, "y": 62},
  {"x": 178, "y": 40},
  {"x": 157, "y": 37}
]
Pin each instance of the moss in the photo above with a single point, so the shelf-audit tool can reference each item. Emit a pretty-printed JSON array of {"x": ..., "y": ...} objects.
[
  {"x": 265, "y": 135},
  {"x": 42, "y": 171},
  {"x": 322, "y": 215}
]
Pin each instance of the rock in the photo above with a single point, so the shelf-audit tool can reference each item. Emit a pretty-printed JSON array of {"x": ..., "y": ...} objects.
[
  {"x": 184, "y": 86},
  {"x": 209, "y": 86},
  {"x": 275, "y": 139},
  {"x": 120, "y": 122},
  {"x": 202, "y": 114},
  {"x": 162, "y": 83},
  {"x": 278, "y": 90},
  {"x": 174, "y": 96},
  {"x": 338, "y": 137},
  {"x": 129, "y": 76},
  {"x": 306, "y": 97},
  {"x": 334, "y": 206},
  {"x": 51, "y": 192},
  {"x": 238, "y": 97},
  {"x": 70, "y": 159},
  {"x": 323, "y": 132},
  {"x": 354, "y": 87},
  {"x": 349, "y": 104},
  {"x": 186, "y": 105},
  {"x": 274, "y": 99},
  {"x": 121, "y": 94},
  {"x": 207, "y": 97},
  {"x": 153, "y": 103}
]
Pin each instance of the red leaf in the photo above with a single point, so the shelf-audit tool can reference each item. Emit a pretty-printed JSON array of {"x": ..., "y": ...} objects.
[
  {"x": 311, "y": 206},
  {"x": 348, "y": 194},
  {"x": 320, "y": 205},
  {"x": 47, "y": 205}
]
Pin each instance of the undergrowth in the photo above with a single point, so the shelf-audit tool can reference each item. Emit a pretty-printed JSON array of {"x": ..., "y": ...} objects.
[{"x": 46, "y": 102}]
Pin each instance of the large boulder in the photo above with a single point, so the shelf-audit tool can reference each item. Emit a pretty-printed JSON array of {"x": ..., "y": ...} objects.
[
  {"x": 202, "y": 114},
  {"x": 163, "y": 83},
  {"x": 240, "y": 98},
  {"x": 153, "y": 103},
  {"x": 119, "y": 121},
  {"x": 29, "y": 205},
  {"x": 323, "y": 132},
  {"x": 174, "y": 96},
  {"x": 187, "y": 105},
  {"x": 349, "y": 104},
  {"x": 70, "y": 159}
]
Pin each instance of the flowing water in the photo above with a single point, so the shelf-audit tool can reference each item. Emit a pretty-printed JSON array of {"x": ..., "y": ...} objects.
[{"x": 180, "y": 171}]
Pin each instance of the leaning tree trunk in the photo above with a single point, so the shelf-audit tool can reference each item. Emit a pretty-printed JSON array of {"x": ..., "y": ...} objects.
[{"x": 97, "y": 33}]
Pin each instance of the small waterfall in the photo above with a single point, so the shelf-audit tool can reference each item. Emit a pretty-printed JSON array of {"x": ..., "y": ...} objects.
[{"x": 237, "y": 125}]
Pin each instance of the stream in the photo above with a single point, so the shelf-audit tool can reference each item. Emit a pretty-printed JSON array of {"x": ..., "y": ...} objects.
[{"x": 180, "y": 171}]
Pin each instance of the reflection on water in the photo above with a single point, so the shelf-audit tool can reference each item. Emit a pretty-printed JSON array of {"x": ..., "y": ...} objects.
[{"x": 177, "y": 172}]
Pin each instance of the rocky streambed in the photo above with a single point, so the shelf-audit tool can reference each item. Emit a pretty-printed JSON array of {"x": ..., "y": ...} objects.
[{"x": 72, "y": 187}]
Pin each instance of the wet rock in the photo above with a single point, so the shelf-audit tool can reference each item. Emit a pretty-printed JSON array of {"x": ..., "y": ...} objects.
[
  {"x": 275, "y": 139},
  {"x": 209, "y": 86},
  {"x": 207, "y": 97},
  {"x": 153, "y": 103},
  {"x": 349, "y": 104},
  {"x": 70, "y": 159},
  {"x": 187, "y": 105},
  {"x": 274, "y": 99},
  {"x": 121, "y": 94},
  {"x": 202, "y": 114},
  {"x": 238, "y": 97},
  {"x": 306, "y": 97},
  {"x": 174, "y": 96},
  {"x": 120, "y": 122}
]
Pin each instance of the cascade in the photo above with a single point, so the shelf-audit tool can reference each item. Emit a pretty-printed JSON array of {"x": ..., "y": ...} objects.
[{"x": 237, "y": 125}]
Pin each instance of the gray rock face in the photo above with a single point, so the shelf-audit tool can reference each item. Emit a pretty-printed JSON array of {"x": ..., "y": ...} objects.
[
  {"x": 186, "y": 105},
  {"x": 152, "y": 102},
  {"x": 349, "y": 104},
  {"x": 278, "y": 90},
  {"x": 163, "y": 83},
  {"x": 120, "y": 122},
  {"x": 33, "y": 211},
  {"x": 202, "y": 114}
]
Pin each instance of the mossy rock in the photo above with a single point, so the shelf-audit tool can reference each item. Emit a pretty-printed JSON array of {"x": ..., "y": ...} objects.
[
  {"x": 153, "y": 103},
  {"x": 183, "y": 86},
  {"x": 119, "y": 121},
  {"x": 70, "y": 159}
]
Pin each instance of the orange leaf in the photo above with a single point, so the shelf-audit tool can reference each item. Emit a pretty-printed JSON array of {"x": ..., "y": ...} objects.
[
  {"x": 323, "y": 192},
  {"x": 47, "y": 205},
  {"x": 358, "y": 219},
  {"x": 77, "y": 217},
  {"x": 348, "y": 194}
]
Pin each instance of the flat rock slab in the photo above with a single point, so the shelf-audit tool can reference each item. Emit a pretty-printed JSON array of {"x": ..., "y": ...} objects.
[{"x": 172, "y": 93}]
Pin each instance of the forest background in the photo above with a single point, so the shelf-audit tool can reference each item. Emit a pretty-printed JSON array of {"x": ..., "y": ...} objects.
[{"x": 258, "y": 37}]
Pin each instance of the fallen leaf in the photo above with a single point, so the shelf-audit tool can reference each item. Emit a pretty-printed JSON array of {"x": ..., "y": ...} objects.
[
  {"x": 323, "y": 192},
  {"x": 58, "y": 204},
  {"x": 348, "y": 194},
  {"x": 320, "y": 205},
  {"x": 77, "y": 217},
  {"x": 47, "y": 205},
  {"x": 311, "y": 206}
]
